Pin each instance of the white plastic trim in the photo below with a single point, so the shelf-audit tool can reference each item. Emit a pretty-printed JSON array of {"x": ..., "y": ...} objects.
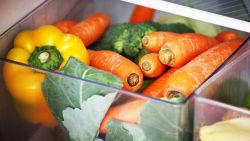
[{"x": 194, "y": 14}]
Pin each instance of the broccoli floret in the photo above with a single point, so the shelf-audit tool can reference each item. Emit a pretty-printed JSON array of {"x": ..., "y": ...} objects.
[
  {"x": 175, "y": 27},
  {"x": 133, "y": 44},
  {"x": 119, "y": 41},
  {"x": 113, "y": 32}
]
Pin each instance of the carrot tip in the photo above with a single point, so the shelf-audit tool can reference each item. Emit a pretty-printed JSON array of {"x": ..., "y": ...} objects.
[
  {"x": 174, "y": 94},
  {"x": 166, "y": 56},
  {"x": 145, "y": 40},
  {"x": 146, "y": 66},
  {"x": 133, "y": 79},
  {"x": 175, "y": 97}
]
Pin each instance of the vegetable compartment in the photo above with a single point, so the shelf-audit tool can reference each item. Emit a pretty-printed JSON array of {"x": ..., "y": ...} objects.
[{"x": 94, "y": 70}]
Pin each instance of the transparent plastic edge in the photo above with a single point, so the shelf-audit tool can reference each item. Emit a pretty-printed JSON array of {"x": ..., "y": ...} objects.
[
  {"x": 220, "y": 104},
  {"x": 125, "y": 92},
  {"x": 194, "y": 14}
]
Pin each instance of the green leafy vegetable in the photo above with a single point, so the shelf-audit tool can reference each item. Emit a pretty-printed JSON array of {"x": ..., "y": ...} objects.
[
  {"x": 166, "y": 127},
  {"x": 198, "y": 26},
  {"x": 132, "y": 44},
  {"x": 116, "y": 132},
  {"x": 62, "y": 92},
  {"x": 115, "y": 32},
  {"x": 120, "y": 131},
  {"x": 72, "y": 100},
  {"x": 158, "y": 122},
  {"x": 136, "y": 132},
  {"x": 97, "y": 139},
  {"x": 175, "y": 27},
  {"x": 170, "y": 18},
  {"x": 82, "y": 124}
]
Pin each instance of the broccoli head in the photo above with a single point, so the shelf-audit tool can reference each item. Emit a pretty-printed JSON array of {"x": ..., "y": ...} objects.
[
  {"x": 112, "y": 33},
  {"x": 132, "y": 44},
  {"x": 119, "y": 41}
]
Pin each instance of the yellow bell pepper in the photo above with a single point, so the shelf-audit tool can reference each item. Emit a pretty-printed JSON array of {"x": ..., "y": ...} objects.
[{"x": 45, "y": 47}]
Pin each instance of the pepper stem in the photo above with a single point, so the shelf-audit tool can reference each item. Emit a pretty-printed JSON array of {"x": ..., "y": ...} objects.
[
  {"x": 46, "y": 57},
  {"x": 43, "y": 57}
]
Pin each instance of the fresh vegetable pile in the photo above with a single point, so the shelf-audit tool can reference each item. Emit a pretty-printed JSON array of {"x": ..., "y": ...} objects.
[{"x": 161, "y": 60}]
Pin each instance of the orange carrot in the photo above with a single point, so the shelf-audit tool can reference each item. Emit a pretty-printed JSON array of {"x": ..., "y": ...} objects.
[
  {"x": 142, "y": 14},
  {"x": 92, "y": 28},
  {"x": 184, "y": 48},
  {"x": 128, "y": 112},
  {"x": 189, "y": 77},
  {"x": 155, "y": 40},
  {"x": 126, "y": 70},
  {"x": 156, "y": 88},
  {"x": 151, "y": 66},
  {"x": 64, "y": 26},
  {"x": 227, "y": 36}
]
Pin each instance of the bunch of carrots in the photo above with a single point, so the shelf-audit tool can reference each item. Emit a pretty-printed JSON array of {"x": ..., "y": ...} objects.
[
  {"x": 180, "y": 80},
  {"x": 179, "y": 62},
  {"x": 192, "y": 58}
]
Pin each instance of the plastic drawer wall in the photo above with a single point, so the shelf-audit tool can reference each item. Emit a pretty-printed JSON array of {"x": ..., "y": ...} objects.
[
  {"x": 224, "y": 93},
  {"x": 12, "y": 127}
]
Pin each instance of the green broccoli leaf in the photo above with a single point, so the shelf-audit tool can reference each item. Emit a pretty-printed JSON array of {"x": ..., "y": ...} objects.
[
  {"x": 97, "y": 139},
  {"x": 120, "y": 131},
  {"x": 116, "y": 132},
  {"x": 82, "y": 124},
  {"x": 167, "y": 127},
  {"x": 62, "y": 92},
  {"x": 76, "y": 102}
]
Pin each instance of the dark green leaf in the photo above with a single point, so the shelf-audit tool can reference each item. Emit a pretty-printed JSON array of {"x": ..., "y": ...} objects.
[
  {"x": 83, "y": 124},
  {"x": 120, "y": 131},
  {"x": 62, "y": 92}
]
